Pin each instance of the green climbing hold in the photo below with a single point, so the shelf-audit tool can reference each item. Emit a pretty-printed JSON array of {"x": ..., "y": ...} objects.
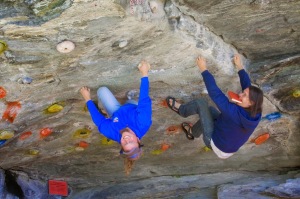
[
  {"x": 55, "y": 108},
  {"x": 82, "y": 133},
  {"x": 106, "y": 141},
  {"x": 157, "y": 152},
  {"x": 296, "y": 93},
  {"x": 3, "y": 46}
]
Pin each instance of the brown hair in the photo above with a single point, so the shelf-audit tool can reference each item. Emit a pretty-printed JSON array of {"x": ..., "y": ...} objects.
[
  {"x": 128, "y": 164},
  {"x": 256, "y": 97}
]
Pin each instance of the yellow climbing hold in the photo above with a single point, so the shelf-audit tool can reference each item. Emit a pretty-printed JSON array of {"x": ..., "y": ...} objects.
[
  {"x": 5, "y": 135},
  {"x": 55, "y": 108},
  {"x": 296, "y": 93},
  {"x": 157, "y": 152},
  {"x": 82, "y": 133},
  {"x": 33, "y": 152},
  {"x": 106, "y": 141},
  {"x": 206, "y": 149},
  {"x": 3, "y": 46}
]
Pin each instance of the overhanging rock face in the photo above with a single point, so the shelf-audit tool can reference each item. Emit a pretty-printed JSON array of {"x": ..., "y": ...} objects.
[{"x": 45, "y": 140}]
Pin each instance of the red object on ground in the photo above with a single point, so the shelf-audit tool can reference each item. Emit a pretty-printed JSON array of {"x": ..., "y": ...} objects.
[
  {"x": 45, "y": 132},
  {"x": 25, "y": 135},
  {"x": 261, "y": 139},
  {"x": 11, "y": 111},
  {"x": 58, "y": 187},
  {"x": 234, "y": 97},
  {"x": 2, "y": 92},
  {"x": 83, "y": 144}
]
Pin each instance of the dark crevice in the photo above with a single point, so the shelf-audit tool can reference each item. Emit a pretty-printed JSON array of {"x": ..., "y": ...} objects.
[{"x": 11, "y": 184}]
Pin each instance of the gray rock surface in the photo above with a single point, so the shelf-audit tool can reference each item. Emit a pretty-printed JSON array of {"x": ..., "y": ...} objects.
[{"x": 111, "y": 38}]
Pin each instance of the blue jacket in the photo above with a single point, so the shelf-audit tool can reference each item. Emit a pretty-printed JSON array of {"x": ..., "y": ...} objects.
[
  {"x": 234, "y": 125},
  {"x": 136, "y": 117}
]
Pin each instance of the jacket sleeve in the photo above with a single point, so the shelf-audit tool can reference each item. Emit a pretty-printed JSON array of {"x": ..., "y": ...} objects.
[
  {"x": 144, "y": 108},
  {"x": 104, "y": 125},
  {"x": 218, "y": 96},
  {"x": 244, "y": 79}
]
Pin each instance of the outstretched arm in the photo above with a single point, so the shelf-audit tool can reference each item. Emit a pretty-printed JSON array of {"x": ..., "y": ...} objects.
[
  {"x": 244, "y": 77},
  {"x": 144, "y": 108}
]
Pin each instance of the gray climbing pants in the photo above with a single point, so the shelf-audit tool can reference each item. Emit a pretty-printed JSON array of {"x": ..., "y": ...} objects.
[{"x": 207, "y": 115}]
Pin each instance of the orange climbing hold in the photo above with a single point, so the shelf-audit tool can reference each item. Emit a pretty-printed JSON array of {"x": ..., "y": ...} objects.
[
  {"x": 172, "y": 130},
  {"x": 11, "y": 111},
  {"x": 83, "y": 144},
  {"x": 25, "y": 135},
  {"x": 45, "y": 132},
  {"x": 165, "y": 146},
  {"x": 2, "y": 92},
  {"x": 261, "y": 139}
]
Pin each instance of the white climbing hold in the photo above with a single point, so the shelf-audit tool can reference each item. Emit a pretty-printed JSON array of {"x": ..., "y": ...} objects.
[{"x": 65, "y": 47}]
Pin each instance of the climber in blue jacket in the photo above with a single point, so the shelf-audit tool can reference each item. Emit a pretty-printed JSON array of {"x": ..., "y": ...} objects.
[
  {"x": 227, "y": 129},
  {"x": 127, "y": 123}
]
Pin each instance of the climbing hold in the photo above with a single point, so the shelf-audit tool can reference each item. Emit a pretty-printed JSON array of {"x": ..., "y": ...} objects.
[
  {"x": 33, "y": 152},
  {"x": 123, "y": 43},
  {"x": 11, "y": 111},
  {"x": 165, "y": 146},
  {"x": 3, "y": 46},
  {"x": 83, "y": 144},
  {"x": 261, "y": 138},
  {"x": 272, "y": 116},
  {"x": 206, "y": 149},
  {"x": 156, "y": 152},
  {"x": 45, "y": 132},
  {"x": 106, "y": 141},
  {"x": 82, "y": 133},
  {"x": 54, "y": 108},
  {"x": 5, "y": 134},
  {"x": 2, "y": 92},
  {"x": 163, "y": 103},
  {"x": 2, "y": 142},
  {"x": 25, "y": 135},
  {"x": 25, "y": 80},
  {"x": 296, "y": 93},
  {"x": 172, "y": 130},
  {"x": 79, "y": 148},
  {"x": 65, "y": 47},
  {"x": 85, "y": 108}
]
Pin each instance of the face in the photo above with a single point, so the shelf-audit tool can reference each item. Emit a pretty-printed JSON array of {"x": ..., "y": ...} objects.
[
  {"x": 244, "y": 96},
  {"x": 129, "y": 140}
]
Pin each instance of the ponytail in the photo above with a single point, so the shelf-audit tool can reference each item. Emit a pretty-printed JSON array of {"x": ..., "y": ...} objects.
[{"x": 128, "y": 164}]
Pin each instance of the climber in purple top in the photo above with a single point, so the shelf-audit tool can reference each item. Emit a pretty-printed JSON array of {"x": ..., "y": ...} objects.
[
  {"x": 127, "y": 123},
  {"x": 227, "y": 129}
]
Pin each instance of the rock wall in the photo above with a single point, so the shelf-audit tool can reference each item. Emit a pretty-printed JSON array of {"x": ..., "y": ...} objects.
[{"x": 111, "y": 37}]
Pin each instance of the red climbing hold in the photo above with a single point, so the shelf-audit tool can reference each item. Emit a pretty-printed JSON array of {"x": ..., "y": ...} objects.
[
  {"x": 172, "y": 130},
  {"x": 25, "y": 135},
  {"x": 45, "y": 132},
  {"x": 11, "y": 111},
  {"x": 261, "y": 139},
  {"x": 165, "y": 146},
  {"x": 2, "y": 92},
  {"x": 83, "y": 144}
]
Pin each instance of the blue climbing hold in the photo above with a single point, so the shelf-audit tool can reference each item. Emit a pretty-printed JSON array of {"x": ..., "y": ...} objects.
[
  {"x": 2, "y": 142},
  {"x": 272, "y": 116}
]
